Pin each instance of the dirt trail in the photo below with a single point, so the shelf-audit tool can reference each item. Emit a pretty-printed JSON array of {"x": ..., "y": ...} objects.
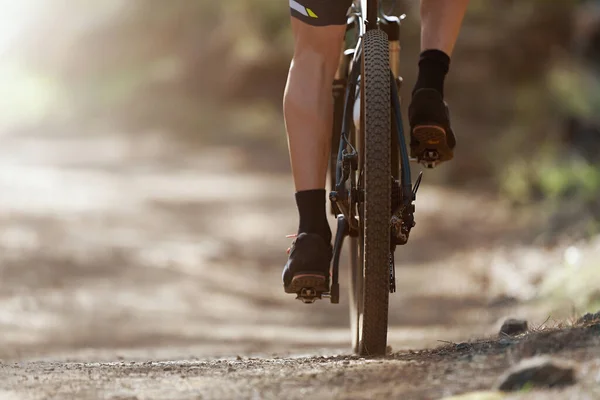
[{"x": 124, "y": 274}]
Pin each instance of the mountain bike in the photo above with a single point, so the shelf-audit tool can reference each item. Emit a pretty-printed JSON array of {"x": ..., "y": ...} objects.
[{"x": 372, "y": 192}]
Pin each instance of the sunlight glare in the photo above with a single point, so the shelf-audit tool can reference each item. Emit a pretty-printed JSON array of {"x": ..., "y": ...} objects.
[{"x": 14, "y": 18}]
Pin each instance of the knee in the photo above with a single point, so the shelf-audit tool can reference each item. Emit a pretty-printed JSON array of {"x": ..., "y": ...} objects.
[{"x": 318, "y": 48}]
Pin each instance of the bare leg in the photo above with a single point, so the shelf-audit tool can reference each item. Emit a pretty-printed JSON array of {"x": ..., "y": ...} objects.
[
  {"x": 308, "y": 104},
  {"x": 440, "y": 23},
  {"x": 308, "y": 111}
]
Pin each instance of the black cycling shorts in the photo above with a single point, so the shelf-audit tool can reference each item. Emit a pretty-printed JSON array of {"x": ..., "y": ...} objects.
[{"x": 320, "y": 12}]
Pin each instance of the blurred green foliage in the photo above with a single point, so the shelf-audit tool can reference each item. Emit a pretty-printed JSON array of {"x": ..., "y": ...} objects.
[{"x": 523, "y": 88}]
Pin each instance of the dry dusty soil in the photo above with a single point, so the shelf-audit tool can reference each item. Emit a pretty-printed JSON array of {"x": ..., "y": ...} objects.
[{"x": 129, "y": 271}]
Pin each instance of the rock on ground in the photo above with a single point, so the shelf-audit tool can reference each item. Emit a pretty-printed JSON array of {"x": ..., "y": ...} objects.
[
  {"x": 542, "y": 372},
  {"x": 589, "y": 317},
  {"x": 512, "y": 327}
]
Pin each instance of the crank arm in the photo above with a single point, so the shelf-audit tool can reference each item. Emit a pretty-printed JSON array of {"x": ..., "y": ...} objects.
[{"x": 340, "y": 235}]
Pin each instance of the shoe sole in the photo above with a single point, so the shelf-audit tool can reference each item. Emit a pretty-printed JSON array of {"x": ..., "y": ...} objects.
[
  {"x": 431, "y": 138},
  {"x": 307, "y": 281}
]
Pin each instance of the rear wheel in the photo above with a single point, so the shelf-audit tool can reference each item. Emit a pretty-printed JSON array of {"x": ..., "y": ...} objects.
[{"x": 370, "y": 281}]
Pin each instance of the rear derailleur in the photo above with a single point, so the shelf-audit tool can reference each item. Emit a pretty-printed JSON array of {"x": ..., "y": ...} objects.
[{"x": 402, "y": 221}]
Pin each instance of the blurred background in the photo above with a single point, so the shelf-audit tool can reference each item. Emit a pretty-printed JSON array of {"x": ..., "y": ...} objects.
[{"x": 144, "y": 177}]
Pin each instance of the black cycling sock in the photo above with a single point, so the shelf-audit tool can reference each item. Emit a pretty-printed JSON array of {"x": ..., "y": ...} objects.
[
  {"x": 433, "y": 67},
  {"x": 313, "y": 214}
]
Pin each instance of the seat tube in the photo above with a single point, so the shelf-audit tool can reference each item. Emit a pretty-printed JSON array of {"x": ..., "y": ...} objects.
[
  {"x": 370, "y": 9},
  {"x": 391, "y": 26},
  {"x": 395, "y": 58}
]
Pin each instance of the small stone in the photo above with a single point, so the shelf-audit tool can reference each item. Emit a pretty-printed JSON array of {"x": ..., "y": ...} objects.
[
  {"x": 346, "y": 362},
  {"x": 589, "y": 317},
  {"x": 168, "y": 368},
  {"x": 463, "y": 346},
  {"x": 513, "y": 327},
  {"x": 541, "y": 372}
]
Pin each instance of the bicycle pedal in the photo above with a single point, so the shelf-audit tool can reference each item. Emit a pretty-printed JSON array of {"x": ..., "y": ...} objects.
[
  {"x": 310, "y": 295},
  {"x": 429, "y": 164},
  {"x": 429, "y": 159}
]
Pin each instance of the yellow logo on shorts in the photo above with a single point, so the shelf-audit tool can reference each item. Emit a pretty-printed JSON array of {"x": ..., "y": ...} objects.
[{"x": 307, "y": 12}]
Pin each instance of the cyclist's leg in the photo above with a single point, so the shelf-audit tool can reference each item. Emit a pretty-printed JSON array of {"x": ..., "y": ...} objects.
[
  {"x": 318, "y": 27},
  {"x": 308, "y": 107},
  {"x": 441, "y": 21}
]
